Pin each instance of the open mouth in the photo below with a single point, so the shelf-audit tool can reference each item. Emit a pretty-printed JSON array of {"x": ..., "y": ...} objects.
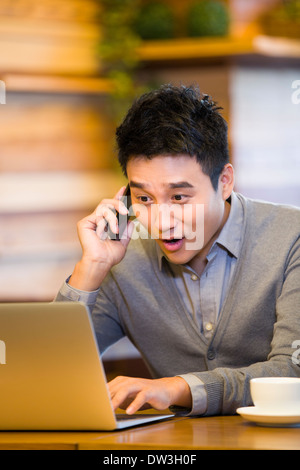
[{"x": 173, "y": 244}]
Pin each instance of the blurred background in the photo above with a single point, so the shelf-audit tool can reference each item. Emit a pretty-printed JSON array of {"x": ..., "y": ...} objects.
[{"x": 69, "y": 70}]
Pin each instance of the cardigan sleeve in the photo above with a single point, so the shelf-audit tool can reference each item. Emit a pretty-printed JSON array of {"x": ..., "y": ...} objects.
[
  {"x": 68, "y": 293},
  {"x": 228, "y": 388},
  {"x": 104, "y": 313}
]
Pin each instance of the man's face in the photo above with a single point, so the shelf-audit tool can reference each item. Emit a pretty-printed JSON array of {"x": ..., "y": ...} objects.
[{"x": 177, "y": 204}]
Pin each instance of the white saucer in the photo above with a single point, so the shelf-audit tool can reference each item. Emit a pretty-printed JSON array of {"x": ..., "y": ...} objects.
[{"x": 263, "y": 418}]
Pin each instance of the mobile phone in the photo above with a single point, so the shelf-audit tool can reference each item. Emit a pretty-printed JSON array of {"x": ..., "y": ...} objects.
[{"x": 122, "y": 218}]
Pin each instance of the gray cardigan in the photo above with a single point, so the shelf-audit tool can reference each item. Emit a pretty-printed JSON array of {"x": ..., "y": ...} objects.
[{"x": 258, "y": 323}]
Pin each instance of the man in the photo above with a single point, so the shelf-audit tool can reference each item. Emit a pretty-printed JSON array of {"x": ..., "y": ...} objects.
[{"x": 212, "y": 297}]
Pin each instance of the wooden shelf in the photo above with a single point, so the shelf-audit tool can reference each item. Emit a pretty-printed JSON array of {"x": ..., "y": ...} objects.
[
  {"x": 273, "y": 46},
  {"x": 182, "y": 49},
  {"x": 55, "y": 84},
  {"x": 203, "y": 48},
  {"x": 190, "y": 48}
]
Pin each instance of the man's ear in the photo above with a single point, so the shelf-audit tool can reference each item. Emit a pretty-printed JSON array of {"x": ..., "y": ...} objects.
[{"x": 226, "y": 181}]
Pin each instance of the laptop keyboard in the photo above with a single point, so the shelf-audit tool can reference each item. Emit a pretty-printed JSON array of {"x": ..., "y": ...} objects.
[
  {"x": 122, "y": 417},
  {"x": 125, "y": 417}
]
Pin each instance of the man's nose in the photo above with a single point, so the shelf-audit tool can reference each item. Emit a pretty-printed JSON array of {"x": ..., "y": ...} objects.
[{"x": 163, "y": 219}]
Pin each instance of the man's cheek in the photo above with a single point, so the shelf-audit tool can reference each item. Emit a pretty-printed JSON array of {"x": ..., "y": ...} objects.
[{"x": 194, "y": 226}]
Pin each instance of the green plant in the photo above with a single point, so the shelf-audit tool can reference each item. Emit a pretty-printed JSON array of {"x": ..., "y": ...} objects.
[
  {"x": 283, "y": 19},
  {"x": 288, "y": 10},
  {"x": 118, "y": 52},
  {"x": 155, "y": 20},
  {"x": 208, "y": 18}
]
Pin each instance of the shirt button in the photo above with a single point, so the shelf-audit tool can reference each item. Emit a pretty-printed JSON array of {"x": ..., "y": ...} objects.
[
  {"x": 209, "y": 326},
  {"x": 211, "y": 354},
  {"x": 194, "y": 277}
]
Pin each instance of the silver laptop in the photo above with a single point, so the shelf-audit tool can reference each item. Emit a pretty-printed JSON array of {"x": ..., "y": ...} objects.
[{"x": 51, "y": 374}]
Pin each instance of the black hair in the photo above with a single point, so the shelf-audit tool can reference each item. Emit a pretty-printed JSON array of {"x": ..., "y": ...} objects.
[{"x": 174, "y": 121}]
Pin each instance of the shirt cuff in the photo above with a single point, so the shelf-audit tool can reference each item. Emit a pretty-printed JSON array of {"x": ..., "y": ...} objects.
[
  {"x": 68, "y": 292},
  {"x": 199, "y": 395}
]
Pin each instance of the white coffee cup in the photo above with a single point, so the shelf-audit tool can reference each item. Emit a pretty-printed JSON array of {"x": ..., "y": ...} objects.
[{"x": 277, "y": 395}]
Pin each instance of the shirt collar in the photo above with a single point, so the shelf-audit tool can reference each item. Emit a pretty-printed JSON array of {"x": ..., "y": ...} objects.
[{"x": 230, "y": 236}]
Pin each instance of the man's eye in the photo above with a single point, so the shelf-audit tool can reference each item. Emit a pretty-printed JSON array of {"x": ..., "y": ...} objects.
[
  {"x": 143, "y": 198},
  {"x": 178, "y": 197}
]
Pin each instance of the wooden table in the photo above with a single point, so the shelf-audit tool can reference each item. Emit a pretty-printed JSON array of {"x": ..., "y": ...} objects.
[{"x": 219, "y": 432}]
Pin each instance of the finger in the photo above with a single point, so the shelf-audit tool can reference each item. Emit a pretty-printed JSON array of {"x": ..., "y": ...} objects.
[
  {"x": 127, "y": 234},
  {"x": 123, "y": 390},
  {"x": 138, "y": 403},
  {"x": 122, "y": 398},
  {"x": 104, "y": 213},
  {"x": 113, "y": 204},
  {"x": 120, "y": 193},
  {"x": 117, "y": 384},
  {"x": 123, "y": 382},
  {"x": 103, "y": 207},
  {"x": 101, "y": 229},
  {"x": 113, "y": 384}
]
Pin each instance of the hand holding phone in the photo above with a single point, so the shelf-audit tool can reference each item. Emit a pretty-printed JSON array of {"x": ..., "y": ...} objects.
[
  {"x": 99, "y": 254},
  {"x": 121, "y": 218}
]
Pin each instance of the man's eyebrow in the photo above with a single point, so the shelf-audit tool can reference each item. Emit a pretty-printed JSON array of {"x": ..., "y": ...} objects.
[
  {"x": 135, "y": 184},
  {"x": 177, "y": 184},
  {"x": 180, "y": 184}
]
